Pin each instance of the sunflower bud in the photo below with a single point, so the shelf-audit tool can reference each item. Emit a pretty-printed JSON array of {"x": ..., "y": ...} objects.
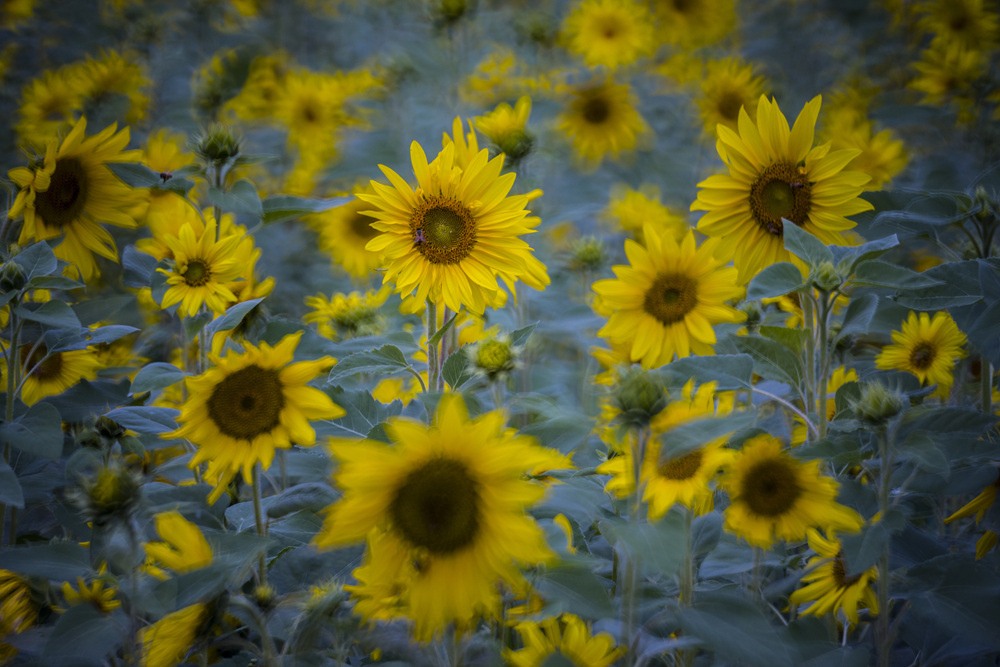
[
  {"x": 986, "y": 207},
  {"x": 264, "y": 596},
  {"x": 754, "y": 314},
  {"x": 877, "y": 404},
  {"x": 587, "y": 254},
  {"x": 449, "y": 11},
  {"x": 109, "y": 428},
  {"x": 217, "y": 146},
  {"x": 112, "y": 494},
  {"x": 640, "y": 396},
  {"x": 494, "y": 357},
  {"x": 12, "y": 277},
  {"x": 516, "y": 145},
  {"x": 825, "y": 277}
]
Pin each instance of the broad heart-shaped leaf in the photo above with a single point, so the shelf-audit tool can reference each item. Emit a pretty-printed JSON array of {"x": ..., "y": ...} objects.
[
  {"x": 858, "y": 315},
  {"x": 311, "y": 496},
  {"x": 775, "y": 280},
  {"x": 156, "y": 375},
  {"x": 59, "y": 561},
  {"x": 862, "y": 550},
  {"x": 36, "y": 260},
  {"x": 363, "y": 414},
  {"x": 849, "y": 257},
  {"x": 37, "y": 432},
  {"x": 10, "y": 488},
  {"x": 145, "y": 419},
  {"x": 736, "y": 630},
  {"x": 84, "y": 636},
  {"x": 793, "y": 339},
  {"x": 231, "y": 318},
  {"x": 682, "y": 439},
  {"x": 958, "y": 284},
  {"x": 55, "y": 314},
  {"x": 385, "y": 360},
  {"x": 876, "y": 273},
  {"x": 456, "y": 369},
  {"x": 804, "y": 245},
  {"x": 572, "y": 586},
  {"x": 241, "y": 198},
  {"x": 281, "y": 207},
  {"x": 658, "y": 547},
  {"x": 771, "y": 359},
  {"x": 728, "y": 371}
]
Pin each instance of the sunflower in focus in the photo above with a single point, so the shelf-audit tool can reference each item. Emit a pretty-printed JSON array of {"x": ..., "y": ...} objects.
[
  {"x": 609, "y": 32},
  {"x": 690, "y": 24},
  {"x": 183, "y": 549},
  {"x": 728, "y": 86},
  {"x": 776, "y": 174},
  {"x": 665, "y": 302},
  {"x": 775, "y": 496},
  {"x": 601, "y": 120},
  {"x": 829, "y": 587},
  {"x": 565, "y": 636},
  {"x": 344, "y": 231},
  {"x": 48, "y": 373},
  {"x": 631, "y": 210},
  {"x": 927, "y": 347},
  {"x": 202, "y": 267},
  {"x": 449, "y": 239},
  {"x": 449, "y": 500},
  {"x": 72, "y": 192},
  {"x": 249, "y": 404}
]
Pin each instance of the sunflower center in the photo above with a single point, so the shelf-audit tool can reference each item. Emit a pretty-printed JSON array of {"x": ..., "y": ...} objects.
[
  {"x": 247, "y": 403},
  {"x": 361, "y": 226},
  {"x": 309, "y": 112},
  {"x": 63, "y": 202},
  {"x": 922, "y": 356},
  {"x": 437, "y": 507},
  {"x": 43, "y": 369},
  {"x": 596, "y": 110},
  {"x": 682, "y": 468},
  {"x": 780, "y": 191},
  {"x": 611, "y": 28},
  {"x": 196, "y": 274},
  {"x": 443, "y": 230},
  {"x": 771, "y": 487},
  {"x": 840, "y": 573},
  {"x": 671, "y": 297},
  {"x": 730, "y": 103}
]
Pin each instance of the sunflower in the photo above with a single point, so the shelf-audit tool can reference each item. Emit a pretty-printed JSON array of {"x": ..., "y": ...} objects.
[
  {"x": 774, "y": 496},
  {"x": 347, "y": 315},
  {"x": 775, "y": 175},
  {"x": 979, "y": 506},
  {"x": 249, "y": 404},
  {"x": 73, "y": 192},
  {"x": 566, "y": 636},
  {"x": 183, "y": 549},
  {"x": 164, "y": 154},
  {"x": 18, "y": 611},
  {"x": 167, "y": 642},
  {"x": 202, "y": 267},
  {"x": 49, "y": 104},
  {"x": 112, "y": 74},
  {"x": 927, "y": 347},
  {"x": 971, "y": 23},
  {"x": 507, "y": 128},
  {"x": 846, "y": 125},
  {"x": 829, "y": 587},
  {"x": 47, "y": 373},
  {"x": 947, "y": 72},
  {"x": 694, "y": 23},
  {"x": 609, "y": 32},
  {"x": 451, "y": 500},
  {"x": 728, "y": 86},
  {"x": 95, "y": 594},
  {"x": 343, "y": 234},
  {"x": 449, "y": 239},
  {"x": 631, "y": 209},
  {"x": 681, "y": 480},
  {"x": 665, "y": 302},
  {"x": 601, "y": 120}
]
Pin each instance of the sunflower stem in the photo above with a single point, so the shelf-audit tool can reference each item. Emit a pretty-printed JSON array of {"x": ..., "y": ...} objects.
[
  {"x": 635, "y": 517},
  {"x": 883, "y": 637},
  {"x": 986, "y": 383},
  {"x": 258, "y": 516},
  {"x": 825, "y": 307},
  {"x": 13, "y": 370},
  {"x": 757, "y": 572},
  {"x": 433, "y": 360},
  {"x": 808, "y": 325},
  {"x": 687, "y": 579}
]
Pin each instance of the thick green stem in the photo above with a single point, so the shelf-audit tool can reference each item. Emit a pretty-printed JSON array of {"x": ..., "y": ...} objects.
[
  {"x": 883, "y": 637},
  {"x": 986, "y": 384},
  {"x": 810, "y": 360},
  {"x": 825, "y": 307},
  {"x": 13, "y": 380},
  {"x": 433, "y": 358},
  {"x": 686, "y": 582},
  {"x": 640, "y": 442},
  {"x": 258, "y": 515}
]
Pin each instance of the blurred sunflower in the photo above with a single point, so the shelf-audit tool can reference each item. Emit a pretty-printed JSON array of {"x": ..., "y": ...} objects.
[
  {"x": 664, "y": 303},
  {"x": 774, "y": 496},
  {"x": 979, "y": 506},
  {"x": 601, "y": 119},
  {"x": 564, "y": 639},
  {"x": 609, "y": 32},
  {"x": 449, "y": 239},
  {"x": 72, "y": 192},
  {"x": 632, "y": 209},
  {"x": 343, "y": 234},
  {"x": 47, "y": 373},
  {"x": 452, "y": 498},
  {"x": 927, "y": 347},
  {"x": 49, "y": 104},
  {"x": 777, "y": 174},
  {"x": 95, "y": 594},
  {"x": 506, "y": 127},
  {"x": 347, "y": 315},
  {"x": 249, "y": 404},
  {"x": 18, "y": 610},
  {"x": 15, "y": 12},
  {"x": 829, "y": 587},
  {"x": 946, "y": 74},
  {"x": 846, "y": 125},
  {"x": 690, "y": 24},
  {"x": 168, "y": 641},
  {"x": 183, "y": 549},
  {"x": 112, "y": 74},
  {"x": 728, "y": 86},
  {"x": 164, "y": 154},
  {"x": 971, "y": 23},
  {"x": 201, "y": 268}
]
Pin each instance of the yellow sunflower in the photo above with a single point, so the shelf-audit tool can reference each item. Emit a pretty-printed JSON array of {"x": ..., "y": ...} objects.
[
  {"x": 666, "y": 301},
  {"x": 451, "y": 498},
  {"x": 979, "y": 506},
  {"x": 631, "y": 209},
  {"x": 449, "y": 239},
  {"x": 566, "y": 636},
  {"x": 112, "y": 74},
  {"x": 947, "y": 73},
  {"x": 164, "y": 154},
  {"x": 202, "y": 267},
  {"x": 971, "y": 23},
  {"x": 347, "y": 315},
  {"x": 343, "y": 234},
  {"x": 601, "y": 120},
  {"x": 183, "y": 549},
  {"x": 18, "y": 611},
  {"x": 693, "y": 23},
  {"x": 167, "y": 642},
  {"x": 73, "y": 192},
  {"x": 927, "y": 347},
  {"x": 728, "y": 86},
  {"x": 683, "y": 480},
  {"x": 609, "y": 32},
  {"x": 507, "y": 128},
  {"x": 47, "y": 373},
  {"x": 49, "y": 104},
  {"x": 95, "y": 594},
  {"x": 775, "y": 174},
  {"x": 251, "y": 403},
  {"x": 827, "y": 585},
  {"x": 774, "y": 496}
]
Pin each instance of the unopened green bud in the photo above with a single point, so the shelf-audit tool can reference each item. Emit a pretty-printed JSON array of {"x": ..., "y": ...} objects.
[
  {"x": 450, "y": 11},
  {"x": 986, "y": 207},
  {"x": 112, "y": 494},
  {"x": 754, "y": 314},
  {"x": 516, "y": 145},
  {"x": 640, "y": 396},
  {"x": 217, "y": 146},
  {"x": 264, "y": 596},
  {"x": 588, "y": 254},
  {"x": 877, "y": 403},
  {"x": 825, "y": 277},
  {"x": 12, "y": 277},
  {"x": 494, "y": 357}
]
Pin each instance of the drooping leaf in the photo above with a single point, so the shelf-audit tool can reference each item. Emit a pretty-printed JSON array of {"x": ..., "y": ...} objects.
[
  {"x": 109, "y": 334},
  {"x": 858, "y": 315},
  {"x": 231, "y": 318},
  {"x": 145, "y": 418},
  {"x": 771, "y": 359},
  {"x": 804, "y": 245},
  {"x": 385, "y": 360},
  {"x": 278, "y": 208},
  {"x": 36, "y": 260},
  {"x": 242, "y": 197},
  {"x": 775, "y": 280},
  {"x": 728, "y": 371},
  {"x": 848, "y": 258},
  {"x": 957, "y": 285},
  {"x": 56, "y": 314},
  {"x": 156, "y": 375}
]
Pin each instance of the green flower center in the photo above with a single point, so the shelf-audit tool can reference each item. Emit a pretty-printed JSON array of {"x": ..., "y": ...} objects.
[
  {"x": 247, "y": 403},
  {"x": 443, "y": 230},
  {"x": 671, "y": 297},
  {"x": 63, "y": 202},
  {"x": 196, "y": 273},
  {"x": 923, "y": 356},
  {"x": 782, "y": 190},
  {"x": 771, "y": 487},
  {"x": 682, "y": 468},
  {"x": 437, "y": 507}
]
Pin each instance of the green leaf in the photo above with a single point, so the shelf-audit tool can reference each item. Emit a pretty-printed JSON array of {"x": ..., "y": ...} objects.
[
  {"x": 53, "y": 283},
  {"x": 363, "y": 414},
  {"x": 156, "y": 375},
  {"x": 923, "y": 450},
  {"x": 138, "y": 267},
  {"x": 241, "y": 198},
  {"x": 282, "y": 207},
  {"x": 958, "y": 284},
  {"x": 135, "y": 175},
  {"x": 775, "y": 280},
  {"x": 145, "y": 419},
  {"x": 56, "y": 314},
  {"x": 194, "y": 325},
  {"x": 38, "y": 431},
  {"x": 571, "y": 586},
  {"x": 844, "y": 656},
  {"x": 659, "y": 547},
  {"x": 858, "y": 315},
  {"x": 10, "y": 488},
  {"x": 520, "y": 337},
  {"x": 793, "y": 339},
  {"x": 706, "y": 530},
  {"x": 771, "y": 359},
  {"x": 83, "y": 633},
  {"x": 689, "y": 436},
  {"x": 439, "y": 334},
  {"x": 848, "y": 258},
  {"x": 876, "y": 273},
  {"x": 728, "y": 371},
  {"x": 231, "y": 318},
  {"x": 97, "y": 310},
  {"x": 109, "y": 333},
  {"x": 804, "y": 245},
  {"x": 58, "y": 561},
  {"x": 313, "y": 496},
  {"x": 735, "y": 629},
  {"x": 36, "y": 260},
  {"x": 457, "y": 369},
  {"x": 862, "y": 550},
  {"x": 847, "y": 393},
  {"x": 385, "y": 360}
]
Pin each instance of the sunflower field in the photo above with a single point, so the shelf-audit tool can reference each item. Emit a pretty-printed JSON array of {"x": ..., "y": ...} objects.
[{"x": 485, "y": 332}]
